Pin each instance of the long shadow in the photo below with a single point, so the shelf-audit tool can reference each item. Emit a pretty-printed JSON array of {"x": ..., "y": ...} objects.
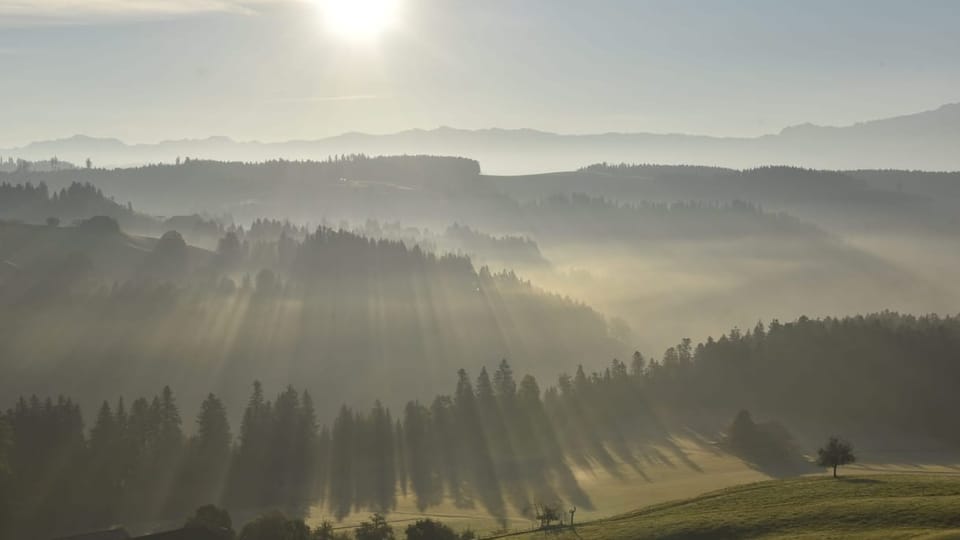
[
  {"x": 569, "y": 486},
  {"x": 656, "y": 457},
  {"x": 775, "y": 462},
  {"x": 855, "y": 480},
  {"x": 702, "y": 441},
  {"x": 681, "y": 455}
]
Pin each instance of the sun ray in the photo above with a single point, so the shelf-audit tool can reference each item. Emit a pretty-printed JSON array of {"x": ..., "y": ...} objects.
[{"x": 359, "y": 20}]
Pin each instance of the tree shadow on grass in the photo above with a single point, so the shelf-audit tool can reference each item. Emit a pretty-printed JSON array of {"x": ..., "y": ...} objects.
[{"x": 858, "y": 480}]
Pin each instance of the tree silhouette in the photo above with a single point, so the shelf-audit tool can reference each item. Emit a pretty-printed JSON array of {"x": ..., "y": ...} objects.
[
  {"x": 836, "y": 452},
  {"x": 208, "y": 457},
  {"x": 376, "y": 528},
  {"x": 6, "y": 446},
  {"x": 275, "y": 526},
  {"x": 428, "y": 529},
  {"x": 213, "y": 519}
]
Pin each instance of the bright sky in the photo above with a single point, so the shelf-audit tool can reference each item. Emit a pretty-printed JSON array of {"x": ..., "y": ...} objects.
[{"x": 147, "y": 70}]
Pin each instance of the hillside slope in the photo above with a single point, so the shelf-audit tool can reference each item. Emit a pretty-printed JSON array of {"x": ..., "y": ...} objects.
[
  {"x": 810, "y": 507},
  {"x": 354, "y": 319},
  {"x": 110, "y": 255}
]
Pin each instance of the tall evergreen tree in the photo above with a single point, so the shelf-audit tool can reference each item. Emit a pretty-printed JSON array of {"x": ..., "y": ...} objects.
[
  {"x": 341, "y": 491},
  {"x": 421, "y": 451},
  {"x": 474, "y": 447},
  {"x": 208, "y": 459},
  {"x": 252, "y": 451}
]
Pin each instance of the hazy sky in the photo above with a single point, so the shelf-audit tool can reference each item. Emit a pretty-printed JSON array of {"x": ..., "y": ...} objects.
[{"x": 146, "y": 70}]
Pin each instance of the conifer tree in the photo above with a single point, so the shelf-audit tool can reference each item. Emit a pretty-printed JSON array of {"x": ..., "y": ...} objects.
[{"x": 341, "y": 491}]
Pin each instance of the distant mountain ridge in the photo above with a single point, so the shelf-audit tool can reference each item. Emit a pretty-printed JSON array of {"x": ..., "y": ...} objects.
[{"x": 925, "y": 140}]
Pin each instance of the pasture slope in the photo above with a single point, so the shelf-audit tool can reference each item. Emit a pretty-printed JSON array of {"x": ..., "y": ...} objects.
[
  {"x": 674, "y": 483},
  {"x": 853, "y": 506}
]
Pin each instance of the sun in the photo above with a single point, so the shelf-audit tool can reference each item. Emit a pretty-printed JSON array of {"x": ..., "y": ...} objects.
[{"x": 359, "y": 20}]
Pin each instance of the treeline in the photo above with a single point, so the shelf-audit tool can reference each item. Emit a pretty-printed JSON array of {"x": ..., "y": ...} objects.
[
  {"x": 581, "y": 217},
  {"x": 777, "y": 186},
  {"x": 356, "y": 318},
  {"x": 136, "y": 464},
  {"x": 767, "y": 184},
  {"x": 23, "y": 166},
  {"x": 481, "y": 247},
  {"x": 38, "y": 204},
  {"x": 886, "y": 373},
  {"x": 513, "y": 248},
  {"x": 77, "y": 202},
  {"x": 348, "y": 186},
  {"x": 493, "y": 443}
]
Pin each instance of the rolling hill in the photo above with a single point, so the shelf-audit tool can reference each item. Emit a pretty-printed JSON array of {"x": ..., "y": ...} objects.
[
  {"x": 811, "y": 507},
  {"x": 359, "y": 318}
]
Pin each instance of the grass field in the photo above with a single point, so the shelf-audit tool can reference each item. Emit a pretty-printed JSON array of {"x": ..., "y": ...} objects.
[
  {"x": 684, "y": 467},
  {"x": 678, "y": 469},
  {"x": 876, "y": 506}
]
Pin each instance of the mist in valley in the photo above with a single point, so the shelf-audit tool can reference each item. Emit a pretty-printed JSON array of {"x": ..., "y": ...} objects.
[{"x": 261, "y": 295}]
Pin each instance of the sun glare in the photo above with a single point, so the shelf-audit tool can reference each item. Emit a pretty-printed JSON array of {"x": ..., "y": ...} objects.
[{"x": 359, "y": 19}]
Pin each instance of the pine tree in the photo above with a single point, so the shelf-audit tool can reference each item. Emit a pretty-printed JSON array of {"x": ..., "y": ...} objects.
[
  {"x": 104, "y": 470},
  {"x": 384, "y": 473},
  {"x": 399, "y": 439},
  {"x": 341, "y": 493},
  {"x": 503, "y": 383},
  {"x": 473, "y": 447},
  {"x": 282, "y": 467},
  {"x": 246, "y": 480},
  {"x": 307, "y": 452},
  {"x": 420, "y": 451},
  {"x": 167, "y": 456},
  {"x": 322, "y": 476},
  {"x": 209, "y": 454}
]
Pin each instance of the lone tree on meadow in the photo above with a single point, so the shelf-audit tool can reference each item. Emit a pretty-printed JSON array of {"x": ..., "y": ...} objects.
[{"x": 835, "y": 453}]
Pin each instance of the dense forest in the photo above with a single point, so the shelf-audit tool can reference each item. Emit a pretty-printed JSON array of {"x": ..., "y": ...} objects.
[
  {"x": 672, "y": 250},
  {"x": 383, "y": 280},
  {"x": 354, "y": 316},
  {"x": 28, "y": 203},
  {"x": 338, "y": 188},
  {"x": 437, "y": 191},
  {"x": 882, "y": 376},
  {"x": 914, "y": 202},
  {"x": 489, "y": 444},
  {"x": 496, "y": 441},
  {"x": 263, "y": 277},
  {"x": 35, "y": 203}
]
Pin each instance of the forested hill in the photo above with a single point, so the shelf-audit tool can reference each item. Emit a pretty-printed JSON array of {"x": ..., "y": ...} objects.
[
  {"x": 887, "y": 378},
  {"x": 37, "y": 203},
  {"x": 438, "y": 191},
  {"x": 891, "y": 200},
  {"x": 349, "y": 317},
  {"x": 358, "y": 186},
  {"x": 488, "y": 439}
]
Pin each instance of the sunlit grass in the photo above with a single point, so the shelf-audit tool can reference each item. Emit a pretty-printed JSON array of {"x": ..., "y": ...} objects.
[
  {"x": 612, "y": 492},
  {"x": 886, "y": 506}
]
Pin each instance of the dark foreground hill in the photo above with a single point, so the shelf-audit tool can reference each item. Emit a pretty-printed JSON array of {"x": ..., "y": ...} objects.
[{"x": 852, "y": 507}]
